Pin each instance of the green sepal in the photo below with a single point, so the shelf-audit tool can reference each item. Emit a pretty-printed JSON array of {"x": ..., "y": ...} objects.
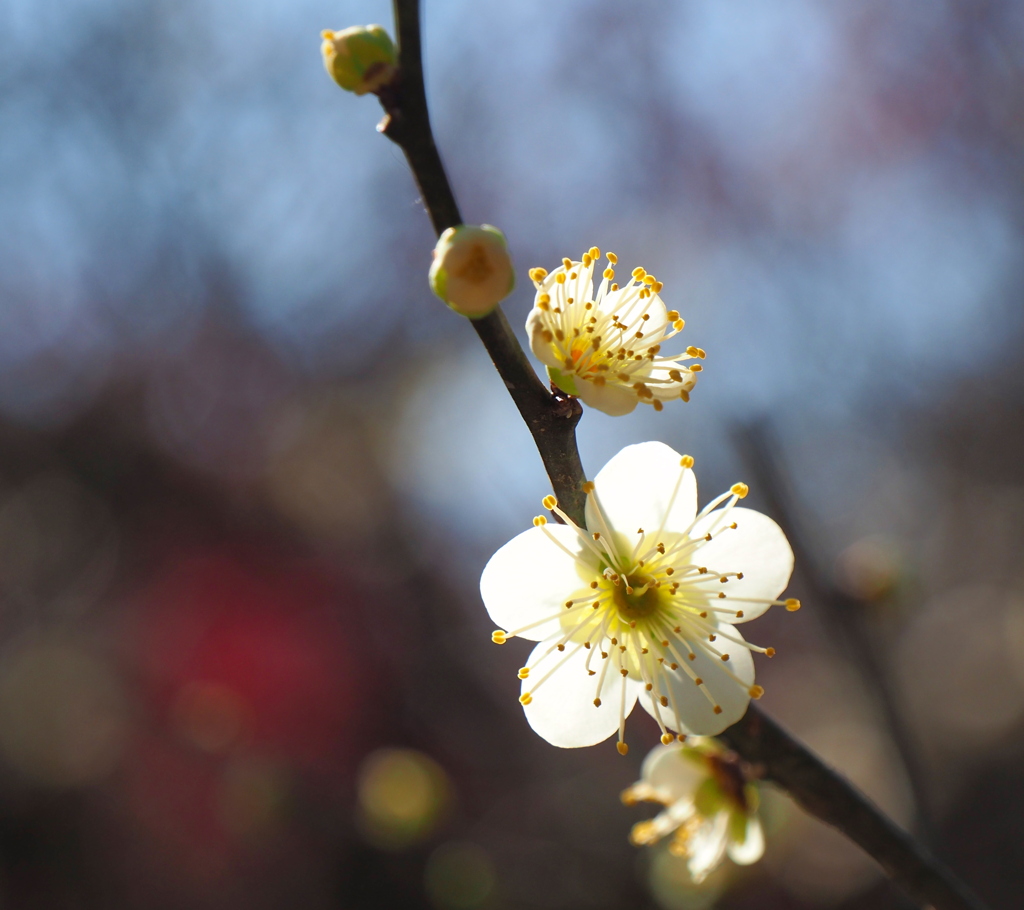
[{"x": 565, "y": 381}]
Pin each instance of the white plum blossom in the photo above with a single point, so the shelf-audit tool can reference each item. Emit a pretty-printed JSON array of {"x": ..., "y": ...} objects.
[
  {"x": 642, "y": 603},
  {"x": 710, "y": 805},
  {"x": 605, "y": 346}
]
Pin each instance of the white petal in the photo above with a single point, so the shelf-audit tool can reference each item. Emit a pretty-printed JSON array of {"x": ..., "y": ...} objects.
[
  {"x": 674, "y": 770},
  {"x": 696, "y": 712},
  {"x": 563, "y": 710},
  {"x": 757, "y": 548},
  {"x": 531, "y": 578},
  {"x": 708, "y": 847},
  {"x": 635, "y": 488},
  {"x": 752, "y": 849},
  {"x": 544, "y": 351},
  {"x": 610, "y": 398}
]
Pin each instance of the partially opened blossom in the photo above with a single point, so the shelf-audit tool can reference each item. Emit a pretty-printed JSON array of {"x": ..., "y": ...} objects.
[
  {"x": 605, "y": 345},
  {"x": 642, "y": 603},
  {"x": 710, "y": 805}
]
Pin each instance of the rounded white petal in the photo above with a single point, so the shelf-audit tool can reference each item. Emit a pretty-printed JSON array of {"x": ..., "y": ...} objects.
[
  {"x": 757, "y": 548},
  {"x": 613, "y": 399},
  {"x": 751, "y": 849},
  {"x": 696, "y": 712},
  {"x": 635, "y": 491},
  {"x": 543, "y": 350},
  {"x": 674, "y": 770},
  {"x": 562, "y": 710},
  {"x": 707, "y": 846},
  {"x": 531, "y": 578}
]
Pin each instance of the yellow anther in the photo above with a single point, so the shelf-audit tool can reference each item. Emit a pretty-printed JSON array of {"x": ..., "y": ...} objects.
[
  {"x": 686, "y": 461},
  {"x": 696, "y": 368},
  {"x": 595, "y": 253},
  {"x": 678, "y": 324},
  {"x": 648, "y": 279},
  {"x": 538, "y": 274},
  {"x": 691, "y": 351},
  {"x": 684, "y": 395},
  {"x": 657, "y": 405},
  {"x": 498, "y": 637},
  {"x": 539, "y": 521},
  {"x": 675, "y": 375},
  {"x": 701, "y": 353},
  {"x": 586, "y": 260},
  {"x": 588, "y": 487},
  {"x": 560, "y": 277},
  {"x": 769, "y": 652},
  {"x": 525, "y": 698},
  {"x": 638, "y": 273},
  {"x": 739, "y": 489},
  {"x": 543, "y": 298},
  {"x": 667, "y": 738},
  {"x": 756, "y": 691},
  {"x": 524, "y": 672},
  {"x": 549, "y": 502},
  {"x": 792, "y": 604},
  {"x": 609, "y": 273},
  {"x": 657, "y": 286},
  {"x": 672, "y": 315},
  {"x": 622, "y": 747},
  {"x": 567, "y": 264},
  {"x": 614, "y": 286},
  {"x": 613, "y": 259}
]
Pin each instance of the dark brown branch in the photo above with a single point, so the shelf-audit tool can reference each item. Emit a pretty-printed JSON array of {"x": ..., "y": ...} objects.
[
  {"x": 551, "y": 420},
  {"x": 756, "y": 737},
  {"x": 828, "y": 796}
]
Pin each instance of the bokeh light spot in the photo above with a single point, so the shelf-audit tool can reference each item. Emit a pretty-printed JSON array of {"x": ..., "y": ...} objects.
[
  {"x": 63, "y": 717},
  {"x": 459, "y": 876},
  {"x": 402, "y": 796}
]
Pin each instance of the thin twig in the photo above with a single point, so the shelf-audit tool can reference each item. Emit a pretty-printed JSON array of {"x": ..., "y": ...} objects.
[
  {"x": 842, "y": 613},
  {"x": 552, "y": 421}
]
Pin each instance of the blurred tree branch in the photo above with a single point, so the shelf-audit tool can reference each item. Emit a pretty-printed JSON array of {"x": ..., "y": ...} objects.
[{"x": 552, "y": 421}]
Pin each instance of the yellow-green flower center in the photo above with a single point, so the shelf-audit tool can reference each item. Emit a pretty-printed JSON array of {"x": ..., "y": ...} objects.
[{"x": 636, "y": 597}]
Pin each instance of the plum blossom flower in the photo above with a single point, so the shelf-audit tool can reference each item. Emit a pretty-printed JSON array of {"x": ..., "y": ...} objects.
[
  {"x": 642, "y": 603},
  {"x": 710, "y": 805},
  {"x": 605, "y": 347}
]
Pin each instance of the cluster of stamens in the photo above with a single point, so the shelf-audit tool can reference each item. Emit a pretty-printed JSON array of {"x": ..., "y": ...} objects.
[
  {"x": 613, "y": 336},
  {"x": 649, "y": 609}
]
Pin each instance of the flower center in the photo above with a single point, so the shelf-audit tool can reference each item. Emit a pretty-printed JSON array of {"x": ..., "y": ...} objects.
[{"x": 636, "y": 597}]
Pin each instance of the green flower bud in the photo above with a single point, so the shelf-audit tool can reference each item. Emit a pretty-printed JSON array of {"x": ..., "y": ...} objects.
[
  {"x": 472, "y": 271},
  {"x": 360, "y": 59}
]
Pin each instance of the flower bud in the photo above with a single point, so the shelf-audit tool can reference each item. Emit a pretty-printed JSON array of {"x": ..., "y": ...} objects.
[
  {"x": 472, "y": 271},
  {"x": 360, "y": 59}
]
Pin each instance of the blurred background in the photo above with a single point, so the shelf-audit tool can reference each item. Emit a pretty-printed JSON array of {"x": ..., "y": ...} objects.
[{"x": 250, "y": 469}]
